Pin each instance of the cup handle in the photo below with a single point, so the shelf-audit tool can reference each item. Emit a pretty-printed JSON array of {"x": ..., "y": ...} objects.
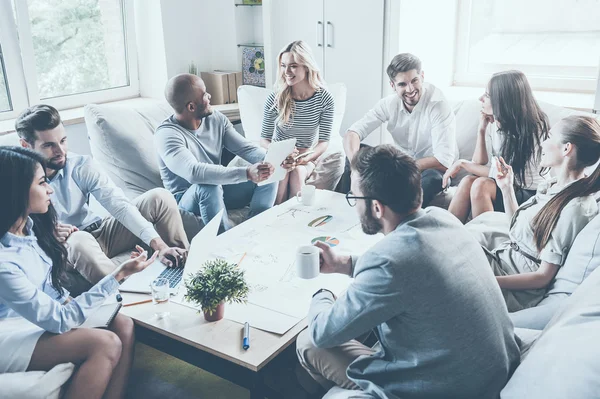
[{"x": 299, "y": 196}]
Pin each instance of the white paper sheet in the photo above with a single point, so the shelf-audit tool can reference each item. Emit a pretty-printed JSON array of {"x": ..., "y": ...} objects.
[{"x": 276, "y": 154}]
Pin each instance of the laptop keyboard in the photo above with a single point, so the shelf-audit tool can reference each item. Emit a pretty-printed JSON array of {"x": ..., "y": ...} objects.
[{"x": 173, "y": 274}]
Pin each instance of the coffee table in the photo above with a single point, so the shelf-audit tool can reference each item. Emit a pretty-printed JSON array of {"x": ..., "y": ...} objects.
[{"x": 216, "y": 346}]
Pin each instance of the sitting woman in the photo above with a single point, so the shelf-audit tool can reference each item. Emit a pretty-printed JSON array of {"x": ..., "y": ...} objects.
[
  {"x": 520, "y": 127},
  {"x": 38, "y": 319},
  {"x": 526, "y": 249},
  {"x": 299, "y": 108}
]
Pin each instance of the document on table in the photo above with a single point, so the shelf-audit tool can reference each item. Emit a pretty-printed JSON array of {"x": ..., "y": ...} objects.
[{"x": 276, "y": 154}]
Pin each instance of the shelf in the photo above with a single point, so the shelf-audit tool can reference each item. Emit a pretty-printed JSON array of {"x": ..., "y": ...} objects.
[
  {"x": 248, "y": 5},
  {"x": 250, "y": 45}
]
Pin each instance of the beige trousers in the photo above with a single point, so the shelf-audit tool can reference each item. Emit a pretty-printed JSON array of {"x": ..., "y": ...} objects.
[
  {"x": 328, "y": 366},
  {"x": 90, "y": 253}
]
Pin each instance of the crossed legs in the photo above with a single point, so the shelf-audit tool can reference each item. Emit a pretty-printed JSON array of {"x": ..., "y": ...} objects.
[
  {"x": 474, "y": 195},
  {"x": 103, "y": 358},
  {"x": 293, "y": 182}
]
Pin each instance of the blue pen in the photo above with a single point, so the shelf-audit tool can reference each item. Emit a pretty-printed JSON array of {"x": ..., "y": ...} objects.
[{"x": 246, "y": 339}]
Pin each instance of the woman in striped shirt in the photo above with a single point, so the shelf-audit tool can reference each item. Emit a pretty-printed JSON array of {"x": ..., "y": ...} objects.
[{"x": 299, "y": 108}]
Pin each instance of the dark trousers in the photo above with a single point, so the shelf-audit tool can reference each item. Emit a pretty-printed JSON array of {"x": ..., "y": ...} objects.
[{"x": 431, "y": 183}]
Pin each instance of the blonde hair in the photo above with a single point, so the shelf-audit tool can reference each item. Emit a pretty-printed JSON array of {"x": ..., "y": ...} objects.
[{"x": 283, "y": 93}]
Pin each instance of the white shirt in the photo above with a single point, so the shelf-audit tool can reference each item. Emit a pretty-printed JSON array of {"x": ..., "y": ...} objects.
[
  {"x": 72, "y": 187},
  {"x": 428, "y": 131},
  {"x": 493, "y": 143}
]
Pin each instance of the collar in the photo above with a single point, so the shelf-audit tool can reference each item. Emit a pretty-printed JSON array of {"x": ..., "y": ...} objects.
[
  {"x": 59, "y": 175},
  {"x": 11, "y": 240}
]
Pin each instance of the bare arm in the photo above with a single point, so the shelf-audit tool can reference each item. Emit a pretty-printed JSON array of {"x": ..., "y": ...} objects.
[
  {"x": 541, "y": 278},
  {"x": 480, "y": 155},
  {"x": 430, "y": 163},
  {"x": 505, "y": 180},
  {"x": 351, "y": 144}
]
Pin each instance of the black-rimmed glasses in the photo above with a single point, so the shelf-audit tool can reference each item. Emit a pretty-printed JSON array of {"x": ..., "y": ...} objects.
[{"x": 351, "y": 199}]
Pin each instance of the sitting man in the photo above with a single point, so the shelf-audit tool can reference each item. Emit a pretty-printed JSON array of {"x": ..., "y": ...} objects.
[
  {"x": 190, "y": 144},
  {"x": 419, "y": 119},
  {"x": 426, "y": 290},
  {"x": 91, "y": 239}
]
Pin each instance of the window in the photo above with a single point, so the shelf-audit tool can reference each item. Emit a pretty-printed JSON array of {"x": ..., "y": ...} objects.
[
  {"x": 4, "y": 100},
  {"x": 557, "y": 45},
  {"x": 68, "y": 52}
]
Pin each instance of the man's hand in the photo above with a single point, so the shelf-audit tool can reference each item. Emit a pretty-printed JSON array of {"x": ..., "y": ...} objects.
[
  {"x": 259, "y": 171},
  {"x": 451, "y": 172},
  {"x": 332, "y": 263},
  {"x": 138, "y": 262},
  {"x": 171, "y": 256},
  {"x": 63, "y": 231}
]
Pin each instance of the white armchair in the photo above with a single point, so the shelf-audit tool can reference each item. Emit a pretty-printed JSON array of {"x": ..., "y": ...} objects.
[{"x": 330, "y": 166}]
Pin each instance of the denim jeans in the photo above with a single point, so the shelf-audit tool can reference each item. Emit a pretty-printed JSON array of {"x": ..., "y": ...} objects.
[{"x": 206, "y": 200}]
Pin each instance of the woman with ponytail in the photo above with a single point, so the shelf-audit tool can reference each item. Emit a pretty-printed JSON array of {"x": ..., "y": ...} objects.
[
  {"x": 299, "y": 108},
  {"x": 38, "y": 318},
  {"x": 526, "y": 256}
]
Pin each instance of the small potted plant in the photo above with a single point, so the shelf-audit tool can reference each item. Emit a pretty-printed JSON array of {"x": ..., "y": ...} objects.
[{"x": 215, "y": 284}]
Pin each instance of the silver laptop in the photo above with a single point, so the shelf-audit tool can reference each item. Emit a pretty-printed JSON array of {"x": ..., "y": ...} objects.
[{"x": 201, "y": 243}]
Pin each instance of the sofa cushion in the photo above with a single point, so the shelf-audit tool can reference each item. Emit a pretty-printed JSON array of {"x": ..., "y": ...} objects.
[
  {"x": 565, "y": 359},
  {"x": 36, "y": 384},
  {"x": 121, "y": 140}
]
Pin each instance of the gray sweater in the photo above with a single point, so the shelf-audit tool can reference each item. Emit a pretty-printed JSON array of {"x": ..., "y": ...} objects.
[
  {"x": 430, "y": 296},
  {"x": 189, "y": 157}
]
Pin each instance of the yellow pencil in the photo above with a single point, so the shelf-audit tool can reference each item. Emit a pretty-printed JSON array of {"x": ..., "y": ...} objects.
[
  {"x": 137, "y": 303},
  {"x": 241, "y": 259}
]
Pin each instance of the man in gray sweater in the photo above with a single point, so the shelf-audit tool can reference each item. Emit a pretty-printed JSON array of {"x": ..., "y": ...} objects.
[
  {"x": 190, "y": 145},
  {"x": 426, "y": 290}
]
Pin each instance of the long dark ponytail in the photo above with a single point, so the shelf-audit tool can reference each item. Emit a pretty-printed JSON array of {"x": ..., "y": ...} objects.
[
  {"x": 584, "y": 133},
  {"x": 17, "y": 171},
  {"x": 521, "y": 121}
]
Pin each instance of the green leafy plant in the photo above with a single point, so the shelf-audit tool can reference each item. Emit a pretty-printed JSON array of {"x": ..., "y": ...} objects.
[{"x": 218, "y": 281}]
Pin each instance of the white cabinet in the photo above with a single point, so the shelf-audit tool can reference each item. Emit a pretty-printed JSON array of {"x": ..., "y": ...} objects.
[{"x": 346, "y": 37}]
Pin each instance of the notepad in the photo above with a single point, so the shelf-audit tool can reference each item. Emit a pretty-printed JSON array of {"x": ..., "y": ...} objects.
[{"x": 102, "y": 317}]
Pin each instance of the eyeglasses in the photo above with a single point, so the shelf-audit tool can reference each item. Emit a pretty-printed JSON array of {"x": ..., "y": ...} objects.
[{"x": 351, "y": 199}]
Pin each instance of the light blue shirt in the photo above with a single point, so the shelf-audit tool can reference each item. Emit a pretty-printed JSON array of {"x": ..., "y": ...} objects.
[
  {"x": 26, "y": 287},
  {"x": 72, "y": 187}
]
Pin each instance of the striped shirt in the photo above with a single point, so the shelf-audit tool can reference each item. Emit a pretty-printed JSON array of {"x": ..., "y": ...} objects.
[{"x": 310, "y": 118}]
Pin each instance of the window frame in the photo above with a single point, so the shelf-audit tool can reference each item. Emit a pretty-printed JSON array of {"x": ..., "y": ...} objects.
[
  {"x": 463, "y": 78},
  {"x": 21, "y": 72}
]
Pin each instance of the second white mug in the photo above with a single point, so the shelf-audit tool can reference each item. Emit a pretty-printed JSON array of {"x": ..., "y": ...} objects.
[
  {"x": 307, "y": 195},
  {"x": 307, "y": 262}
]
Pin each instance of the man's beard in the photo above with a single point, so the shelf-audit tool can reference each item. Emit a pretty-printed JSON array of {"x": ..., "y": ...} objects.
[
  {"x": 200, "y": 114},
  {"x": 370, "y": 225},
  {"x": 56, "y": 166}
]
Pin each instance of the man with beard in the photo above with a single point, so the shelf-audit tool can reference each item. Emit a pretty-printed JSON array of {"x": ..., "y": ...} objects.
[
  {"x": 425, "y": 290},
  {"x": 152, "y": 219},
  {"x": 190, "y": 145},
  {"x": 419, "y": 119}
]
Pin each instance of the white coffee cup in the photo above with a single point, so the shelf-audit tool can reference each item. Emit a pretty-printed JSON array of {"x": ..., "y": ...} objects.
[
  {"x": 307, "y": 195},
  {"x": 307, "y": 262}
]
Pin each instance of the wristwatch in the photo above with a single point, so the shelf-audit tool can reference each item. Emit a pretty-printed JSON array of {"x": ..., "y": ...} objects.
[{"x": 324, "y": 290}]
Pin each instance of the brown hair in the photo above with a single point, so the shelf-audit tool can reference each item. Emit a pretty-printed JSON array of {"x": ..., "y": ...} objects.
[
  {"x": 36, "y": 118},
  {"x": 390, "y": 176},
  {"x": 584, "y": 133},
  {"x": 403, "y": 62}
]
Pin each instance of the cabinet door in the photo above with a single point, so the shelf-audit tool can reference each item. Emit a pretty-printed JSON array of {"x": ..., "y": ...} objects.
[
  {"x": 354, "y": 54},
  {"x": 291, "y": 20}
]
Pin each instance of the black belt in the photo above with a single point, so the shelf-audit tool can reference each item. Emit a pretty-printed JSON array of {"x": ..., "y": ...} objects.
[
  {"x": 93, "y": 226},
  {"x": 532, "y": 258}
]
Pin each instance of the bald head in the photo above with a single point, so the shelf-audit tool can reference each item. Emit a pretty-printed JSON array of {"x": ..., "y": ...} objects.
[{"x": 182, "y": 89}]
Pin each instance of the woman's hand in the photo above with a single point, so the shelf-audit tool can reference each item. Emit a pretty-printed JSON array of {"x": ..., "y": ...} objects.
[
  {"x": 505, "y": 178},
  {"x": 289, "y": 163},
  {"x": 484, "y": 121},
  {"x": 138, "y": 262},
  {"x": 451, "y": 172}
]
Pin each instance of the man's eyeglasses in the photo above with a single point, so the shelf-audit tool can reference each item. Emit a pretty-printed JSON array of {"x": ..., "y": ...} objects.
[{"x": 351, "y": 199}]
